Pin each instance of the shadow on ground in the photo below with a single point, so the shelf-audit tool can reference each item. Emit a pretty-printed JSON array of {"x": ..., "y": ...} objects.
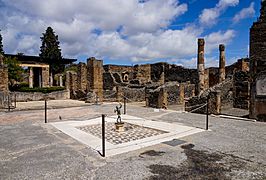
[{"x": 199, "y": 165}]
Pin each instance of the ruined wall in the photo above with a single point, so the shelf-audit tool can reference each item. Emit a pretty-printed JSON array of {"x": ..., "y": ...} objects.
[
  {"x": 157, "y": 72},
  {"x": 171, "y": 93},
  {"x": 37, "y": 96},
  {"x": 180, "y": 74},
  {"x": 118, "y": 68},
  {"x": 142, "y": 73},
  {"x": 241, "y": 90},
  {"x": 258, "y": 66}
]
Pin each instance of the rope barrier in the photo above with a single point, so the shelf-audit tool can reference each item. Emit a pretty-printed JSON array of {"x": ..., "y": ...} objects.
[
  {"x": 198, "y": 108},
  {"x": 195, "y": 105}
]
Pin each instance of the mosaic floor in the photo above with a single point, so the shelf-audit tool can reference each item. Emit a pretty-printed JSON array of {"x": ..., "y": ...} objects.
[{"x": 132, "y": 132}]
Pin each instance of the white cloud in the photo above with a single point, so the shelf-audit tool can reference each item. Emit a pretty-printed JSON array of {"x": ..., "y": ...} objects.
[
  {"x": 245, "y": 13},
  {"x": 209, "y": 16},
  {"x": 214, "y": 39},
  {"x": 87, "y": 27}
]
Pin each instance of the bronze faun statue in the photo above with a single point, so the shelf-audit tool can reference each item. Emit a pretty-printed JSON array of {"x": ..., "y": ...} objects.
[{"x": 118, "y": 112}]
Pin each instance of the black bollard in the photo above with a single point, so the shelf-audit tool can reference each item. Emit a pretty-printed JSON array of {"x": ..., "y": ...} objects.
[
  {"x": 125, "y": 108},
  {"x": 45, "y": 111},
  {"x": 15, "y": 101},
  {"x": 8, "y": 102},
  {"x": 103, "y": 135},
  {"x": 207, "y": 113}
]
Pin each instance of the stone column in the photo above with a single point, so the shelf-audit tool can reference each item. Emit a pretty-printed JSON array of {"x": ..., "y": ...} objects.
[
  {"x": 222, "y": 63},
  {"x": 45, "y": 77},
  {"x": 30, "y": 77},
  {"x": 201, "y": 66},
  {"x": 51, "y": 80},
  {"x": 61, "y": 80}
]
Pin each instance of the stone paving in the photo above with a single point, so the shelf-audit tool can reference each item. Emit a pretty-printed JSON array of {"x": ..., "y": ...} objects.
[{"x": 30, "y": 149}]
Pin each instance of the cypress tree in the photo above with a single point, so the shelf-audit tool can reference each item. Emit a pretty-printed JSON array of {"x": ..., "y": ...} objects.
[
  {"x": 50, "y": 51},
  {"x": 1, "y": 45}
]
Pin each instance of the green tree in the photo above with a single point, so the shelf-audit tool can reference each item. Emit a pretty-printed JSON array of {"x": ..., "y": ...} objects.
[
  {"x": 1, "y": 45},
  {"x": 15, "y": 72},
  {"x": 50, "y": 50}
]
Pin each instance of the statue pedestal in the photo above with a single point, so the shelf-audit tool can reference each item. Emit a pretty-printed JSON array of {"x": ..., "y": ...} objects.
[{"x": 119, "y": 127}]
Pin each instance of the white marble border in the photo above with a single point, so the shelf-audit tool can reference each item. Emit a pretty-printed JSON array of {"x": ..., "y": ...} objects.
[{"x": 175, "y": 131}]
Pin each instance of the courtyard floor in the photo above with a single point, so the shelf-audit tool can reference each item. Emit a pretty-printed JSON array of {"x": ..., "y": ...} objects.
[{"x": 31, "y": 149}]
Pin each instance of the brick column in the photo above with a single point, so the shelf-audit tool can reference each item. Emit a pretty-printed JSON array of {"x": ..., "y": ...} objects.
[
  {"x": 95, "y": 76},
  {"x": 182, "y": 94},
  {"x": 222, "y": 63},
  {"x": 82, "y": 77},
  {"x": 201, "y": 66},
  {"x": 3, "y": 75}
]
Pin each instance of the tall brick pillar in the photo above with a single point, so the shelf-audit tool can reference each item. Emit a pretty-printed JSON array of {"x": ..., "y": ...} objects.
[
  {"x": 201, "y": 66},
  {"x": 3, "y": 75},
  {"x": 182, "y": 94},
  {"x": 258, "y": 66},
  {"x": 82, "y": 77},
  {"x": 95, "y": 76},
  {"x": 222, "y": 63}
]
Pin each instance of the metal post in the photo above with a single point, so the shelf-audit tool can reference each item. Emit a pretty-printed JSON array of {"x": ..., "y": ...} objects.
[
  {"x": 45, "y": 111},
  {"x": 103, "y": 135},
  {"x": 8, "y": 102},
  {"x": 207, "y": 114},
  {"x": 15, "y": 100},
  {"x": 125, "y": 108}
]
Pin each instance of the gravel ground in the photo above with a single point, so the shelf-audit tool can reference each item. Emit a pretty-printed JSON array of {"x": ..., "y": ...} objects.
[{"x": 30, "y": 149}]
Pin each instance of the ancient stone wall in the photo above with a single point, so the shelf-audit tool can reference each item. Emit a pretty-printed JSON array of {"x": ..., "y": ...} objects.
[
  {"x": 241, "y": 90},
  {"x": 180, "y": 74},
  {"x": 142, "y": 73},
  {"x": 258, "y": 66},
  {"x": 172, "y": 93},
  {"x": 37, "y": 96},
  {"x": 157, "y": 72},
  {"x": 118, "y": 68}
]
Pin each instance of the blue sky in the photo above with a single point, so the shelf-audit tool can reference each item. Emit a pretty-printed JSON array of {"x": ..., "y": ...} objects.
[{"x": 131, "y": 32}]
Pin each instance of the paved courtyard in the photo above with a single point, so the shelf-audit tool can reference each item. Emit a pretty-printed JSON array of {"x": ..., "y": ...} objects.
[{"x": 31, "y": 149}]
